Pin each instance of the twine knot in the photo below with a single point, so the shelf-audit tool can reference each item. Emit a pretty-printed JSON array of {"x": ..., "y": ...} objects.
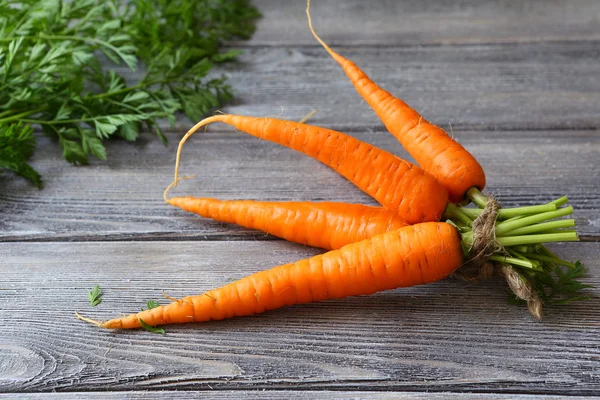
[{"x": 479, "y": 267}]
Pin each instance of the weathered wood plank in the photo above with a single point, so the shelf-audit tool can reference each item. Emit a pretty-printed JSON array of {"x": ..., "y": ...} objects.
[
  {"x": 448, "y": 336},
  {"x": 389, "y": 22},
  {"x": 284, "y": 394},
  {"x": 511, "y": 86},
  {"x": 122, "y": 198},
  {"x": 522, "y": 86}
]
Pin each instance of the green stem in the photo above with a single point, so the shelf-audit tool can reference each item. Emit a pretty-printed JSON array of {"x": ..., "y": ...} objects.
[
  {"x": 477, "y": 197},
  {"x": 568, "y": 236},
  {"x": 545, "y": 226},
  {"x": 560, "y": 201},
  {"x": 505, "y": 213},
  {"x": 508, "y": 226},
  {"x": 17, "y": 117},
  {"x": 512, "y": 260},
  {"x": 120, "y": 91},
  {"x": 453, "y": 212},
  {"x": 553, "y": 260},
  {"x": 59, "y": 121}
]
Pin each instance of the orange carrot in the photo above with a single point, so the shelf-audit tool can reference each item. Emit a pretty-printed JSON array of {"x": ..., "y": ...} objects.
[
  {"x": 412, "y": 255},
  {"x": 395, "y": 183},
  {"x": 327, "y": 225},
  {"x": 434, "y": 150}
]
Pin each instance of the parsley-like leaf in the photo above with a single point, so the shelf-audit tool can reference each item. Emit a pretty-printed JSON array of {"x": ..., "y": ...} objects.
[
  {"x": 152, "y": 304},
  {"x": 16, "y": 146},
  {"x": 51, "y": 75},
  {"x": 94, "y": 296},
  {"x": 151, "y": 328},
  {"x": 560, "y": 285}
]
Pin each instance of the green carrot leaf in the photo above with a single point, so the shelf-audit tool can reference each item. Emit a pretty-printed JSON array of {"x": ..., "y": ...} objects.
[
  {"x": 62, "y": 63},
  {"x": 94, "y": 296},
  {"x": 151, "y": 328},
  {"x": 152, "y": 304},
  {"x": 16, "y": 146}
]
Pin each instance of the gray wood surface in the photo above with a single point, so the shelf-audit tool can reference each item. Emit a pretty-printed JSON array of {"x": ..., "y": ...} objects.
[
  {"x": 508, "y": 86},
  {"x": 416, "y": 22},
  {"x": 519, "y": 82},
  {"x": 286, "y": 394},
  {"x": 448, "y": 336}
]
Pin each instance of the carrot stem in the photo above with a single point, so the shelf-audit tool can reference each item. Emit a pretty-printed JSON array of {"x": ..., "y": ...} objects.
[
  {"x": 505, "y": 227},
  {"x": 553, "y": 260},
  {"x": 454, "y": 213},
  {"x": 543, "y": 227},
  {"x": 477, "y": 197},
  {"x": 512, "y": 260},
  {"x": 567, "y": 236},
  {"x": 507, "y": 213},
  {"x": 560, "y": 201}
]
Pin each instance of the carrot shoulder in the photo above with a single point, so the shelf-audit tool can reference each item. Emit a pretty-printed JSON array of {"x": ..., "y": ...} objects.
[
  {"x": 436, "y": 152},
  {"x": 328, "y": 225},
  {"x": 412, "y": 255},
  {"x": 395, "y": 183}
]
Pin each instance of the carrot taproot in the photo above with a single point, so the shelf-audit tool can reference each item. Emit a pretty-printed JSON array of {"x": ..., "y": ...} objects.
[
  {"x": 395, "y": 183},
  {"x": 436, "y": 152},
  {"x": 412, "y": 255},
  {"x": 328, "y": 225}
]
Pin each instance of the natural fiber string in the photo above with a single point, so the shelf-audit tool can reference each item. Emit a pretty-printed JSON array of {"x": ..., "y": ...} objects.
[
  {"x": 522, "y": 290},
  {"x": 484, "y": 245},
  {"x": 479, "y": 267}
]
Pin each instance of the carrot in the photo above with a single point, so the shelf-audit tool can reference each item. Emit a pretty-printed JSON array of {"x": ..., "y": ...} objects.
[
  {"x": 432, "y": 148},
  {"x": 409, "y": 256},
  {"x": 327, "y": 225},
  {"x": 395, "y": 183}
]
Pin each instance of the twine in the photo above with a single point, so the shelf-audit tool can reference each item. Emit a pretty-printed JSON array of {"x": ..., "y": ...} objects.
[{"x": 479, "y": 267}]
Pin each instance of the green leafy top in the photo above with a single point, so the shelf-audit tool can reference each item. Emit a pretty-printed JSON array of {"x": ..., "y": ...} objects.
[{"x": 52, "y": 73}]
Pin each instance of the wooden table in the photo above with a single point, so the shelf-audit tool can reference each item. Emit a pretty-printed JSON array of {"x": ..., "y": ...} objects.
[{"x": 519, "y": 82}]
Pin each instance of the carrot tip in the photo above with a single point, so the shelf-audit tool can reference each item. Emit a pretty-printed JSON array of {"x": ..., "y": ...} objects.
[{"x": 91, "y": 321}]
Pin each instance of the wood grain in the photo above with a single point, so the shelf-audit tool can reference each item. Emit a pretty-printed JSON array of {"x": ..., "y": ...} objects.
[
  {"x": 122, "y": 198},
  {"x": 537, "y": 86},
  {"x": 285, "y": 394},
  {"x": 414, "y": 22},
  {"x": 448, "y": 336}
]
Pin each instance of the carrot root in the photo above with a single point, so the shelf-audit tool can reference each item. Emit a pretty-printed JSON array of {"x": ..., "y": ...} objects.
[{"x": 89, "y": 320}]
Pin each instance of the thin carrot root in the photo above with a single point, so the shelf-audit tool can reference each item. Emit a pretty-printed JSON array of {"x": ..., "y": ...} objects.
[
  {"x": 174, "y": 184},
  {"x": 308, "y": 116},
  {"x": 166, "y": 296},
  {"x": 91, "y": 321},
  {"x": 332, "y": 53}
]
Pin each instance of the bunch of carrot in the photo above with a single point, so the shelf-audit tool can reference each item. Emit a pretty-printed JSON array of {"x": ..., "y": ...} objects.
[{"x": 371, "y": 248}]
